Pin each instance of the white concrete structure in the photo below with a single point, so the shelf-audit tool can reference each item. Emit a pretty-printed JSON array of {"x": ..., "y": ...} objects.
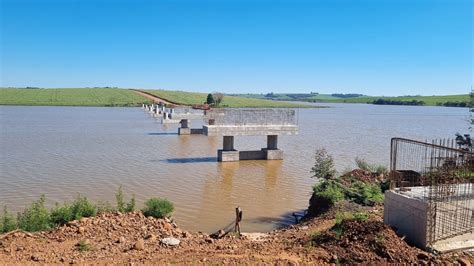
[{"x": 408, "y": 211}]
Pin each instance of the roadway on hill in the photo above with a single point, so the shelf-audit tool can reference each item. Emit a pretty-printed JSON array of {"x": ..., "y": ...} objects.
[{"x": 152, "y": 97}]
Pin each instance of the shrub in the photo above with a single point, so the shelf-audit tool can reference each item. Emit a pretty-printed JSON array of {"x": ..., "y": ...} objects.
[
  {"x": 131, "y": 205},
  {"x": 7, "y": 221},
  {"x": 380, "y": 169},
  {"x": 362, "y": 164},
  {"x": 34, "y": 218},
  {"x": 82, "y": 207},
  {"x": 61, "y": 215},
  {"x": 121, "y": 205},
  {"x": 84, "y": 245},
  {"x": 158, "y": 208},
  {"x": 323, "y": 165},
  {"x": 329, "y": 190},
  {"x": 119, "y": 199},
  {"x": 366, "y": 194},
  {"x": 374, "y": 168}
]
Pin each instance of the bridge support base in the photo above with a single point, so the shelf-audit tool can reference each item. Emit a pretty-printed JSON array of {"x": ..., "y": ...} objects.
[{"x": 229, "y": 154}]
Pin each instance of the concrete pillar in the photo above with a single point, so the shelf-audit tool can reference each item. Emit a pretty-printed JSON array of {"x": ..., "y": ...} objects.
[
  {"x": 272, "y": 142},
  {"x": 184, "y": 123},
  {"x": 228, "y": 153},
  {"x": 184, "y": 129},
  {"x": 228, "y": 143}
]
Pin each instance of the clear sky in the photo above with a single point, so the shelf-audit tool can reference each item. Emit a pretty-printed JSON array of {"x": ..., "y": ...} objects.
[{"x": 374, "y": 47}]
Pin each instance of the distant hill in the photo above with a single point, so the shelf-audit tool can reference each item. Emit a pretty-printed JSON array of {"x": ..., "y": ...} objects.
[{"x": 461, "y": 100}]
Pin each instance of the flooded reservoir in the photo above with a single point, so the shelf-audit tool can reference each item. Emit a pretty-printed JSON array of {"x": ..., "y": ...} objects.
[{"x": 63, "y": 151}]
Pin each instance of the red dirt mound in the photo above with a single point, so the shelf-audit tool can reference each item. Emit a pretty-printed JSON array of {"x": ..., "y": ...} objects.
[{"x": 369, "y": 242}]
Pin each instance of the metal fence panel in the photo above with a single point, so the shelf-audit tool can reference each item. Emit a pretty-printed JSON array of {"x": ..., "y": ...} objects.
[{"x": 442, "y": 174}]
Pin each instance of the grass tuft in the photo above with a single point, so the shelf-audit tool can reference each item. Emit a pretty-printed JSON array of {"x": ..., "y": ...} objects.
[{"x": 158, "y": 208}]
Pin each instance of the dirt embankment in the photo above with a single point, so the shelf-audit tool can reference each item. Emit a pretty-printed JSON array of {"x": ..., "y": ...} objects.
[
  {"x": 133, "y": 238},
  {"x": 152, "y": 97}
]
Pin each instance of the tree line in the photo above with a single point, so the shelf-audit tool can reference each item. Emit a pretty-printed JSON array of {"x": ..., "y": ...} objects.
[{"x": 397, "y": 102}]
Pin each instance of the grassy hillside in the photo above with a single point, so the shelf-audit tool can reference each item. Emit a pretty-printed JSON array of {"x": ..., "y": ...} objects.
[
  {"x": 429, "y": 100},
  {"x": 335, "y": 98},
  {"x": 71, "y": 97},
  {"x": 190, "y": 98},
  {"x": 119, "y": 97}
]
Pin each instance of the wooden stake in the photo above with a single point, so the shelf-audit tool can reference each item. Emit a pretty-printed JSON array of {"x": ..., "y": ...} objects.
[{"x": 238, "y": 218}]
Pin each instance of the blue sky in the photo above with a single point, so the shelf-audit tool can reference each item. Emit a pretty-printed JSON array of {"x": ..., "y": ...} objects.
[{"x": 374, "y": 47}]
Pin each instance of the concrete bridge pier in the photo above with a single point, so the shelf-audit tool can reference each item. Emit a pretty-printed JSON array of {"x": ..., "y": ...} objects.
[
  {"x": 271, "y": 151},
  {"x": 184, "y": 129},
  {"x": 161, "y": 108},
  {"x": 228, "y": 153}
]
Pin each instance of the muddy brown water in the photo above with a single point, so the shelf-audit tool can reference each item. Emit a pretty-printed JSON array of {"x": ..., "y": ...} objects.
[{"x": 62, "y": 151}]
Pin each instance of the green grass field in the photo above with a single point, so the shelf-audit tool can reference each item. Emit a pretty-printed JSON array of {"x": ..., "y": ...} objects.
[
  {"x": 328, "y": 98},
  {"x": 190, "y": 98},
  {"x": 429, "y": 100},
  {"x": 71, "y": 97},
  {"x": 121, "y": 97}
]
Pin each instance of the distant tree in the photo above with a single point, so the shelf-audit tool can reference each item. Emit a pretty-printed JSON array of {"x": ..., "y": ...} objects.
[
  {"x": 218, "y": 97},
  {"x": 346, "y": 95},
  {"x": 210, "y": 99}
]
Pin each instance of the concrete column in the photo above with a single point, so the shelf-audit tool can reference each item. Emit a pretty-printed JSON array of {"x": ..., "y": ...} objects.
[
  {"x": 228, "y": 143},
  {"x": 228, "y": 153},
  {"x": 272, "y": 142}
]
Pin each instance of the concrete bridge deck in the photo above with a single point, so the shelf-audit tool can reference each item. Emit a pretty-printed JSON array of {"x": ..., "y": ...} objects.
[{"x": 249, "y": 130}]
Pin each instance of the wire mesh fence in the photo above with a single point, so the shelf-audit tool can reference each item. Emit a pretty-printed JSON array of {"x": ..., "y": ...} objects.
[
  {"x": 251, "y": 117},
  {"x": 440, "y": 173}
]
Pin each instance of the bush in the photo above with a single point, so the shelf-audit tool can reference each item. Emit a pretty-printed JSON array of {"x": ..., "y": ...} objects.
[
  {"x": 323, "y": 165},
  {"x": 7, "y": 221},
  {"x": 82, "y": 207},
  {"x": 121, "y": 205},
  {"x": 158, "y": 208},
  {"x": 119, "y": 199},
  {"x": 84, "y": 245},
  {"x": 366, "y": 194},
  {"x": 329, "y": 190},
  {"x": 61, "y": 215},
  {"x": 325, "y": 194},
  {"x": 362, "y": 164},
  {"x": 35, "y": 218},
  {"x": 373, "y": 168},
  {"x": 131, "y": 205}
]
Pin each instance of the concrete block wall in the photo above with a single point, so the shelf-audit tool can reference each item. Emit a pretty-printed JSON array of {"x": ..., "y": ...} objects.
[
  {"x": 252, "y": 155},
  {"x": 408, "y": 215}
]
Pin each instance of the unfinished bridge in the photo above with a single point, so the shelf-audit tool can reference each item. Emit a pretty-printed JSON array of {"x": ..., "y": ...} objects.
[{"x": 230, "y": 123}]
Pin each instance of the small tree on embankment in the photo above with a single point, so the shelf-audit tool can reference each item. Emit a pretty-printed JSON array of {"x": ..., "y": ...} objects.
[{"x": 210, "y": 99}]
